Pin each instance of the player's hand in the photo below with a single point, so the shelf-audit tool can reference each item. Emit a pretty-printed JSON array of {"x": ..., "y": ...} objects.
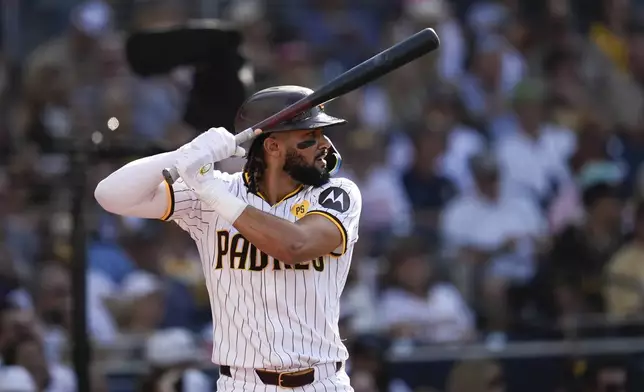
[
  {"x": 195, "y": 165},
  {"x": 217, "y": 142},
  {"x": 196, "y": 169}
]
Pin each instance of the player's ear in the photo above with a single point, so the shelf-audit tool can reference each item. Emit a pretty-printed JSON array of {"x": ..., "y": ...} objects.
[{"x": 271, "y": 146}]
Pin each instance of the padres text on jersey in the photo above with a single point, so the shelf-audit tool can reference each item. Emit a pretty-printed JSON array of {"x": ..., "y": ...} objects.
[{"x": 267, "y": 314}]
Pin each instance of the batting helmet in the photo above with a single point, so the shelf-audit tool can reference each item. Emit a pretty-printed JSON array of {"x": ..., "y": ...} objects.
[{"x": 269, "y": 101}]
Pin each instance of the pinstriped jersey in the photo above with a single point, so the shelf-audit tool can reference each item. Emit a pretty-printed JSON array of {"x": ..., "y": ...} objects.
[{"x": 267, "y": 314}]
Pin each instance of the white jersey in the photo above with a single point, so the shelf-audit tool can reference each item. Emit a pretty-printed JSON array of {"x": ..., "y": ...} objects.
[{"x": 266, "y": 314}]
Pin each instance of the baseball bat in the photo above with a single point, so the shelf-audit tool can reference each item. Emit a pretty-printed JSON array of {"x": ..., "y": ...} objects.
[{"x": 404, "y": 52}]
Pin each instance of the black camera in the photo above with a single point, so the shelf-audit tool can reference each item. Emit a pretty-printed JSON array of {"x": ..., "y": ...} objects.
[{"x": 213, "y": 49}]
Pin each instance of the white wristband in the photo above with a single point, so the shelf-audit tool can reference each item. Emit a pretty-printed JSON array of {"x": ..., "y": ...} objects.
[{"x": 226, "y": 204}]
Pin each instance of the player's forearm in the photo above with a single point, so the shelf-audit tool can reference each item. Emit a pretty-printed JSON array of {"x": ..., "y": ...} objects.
[
  {"x": 135, "y": 186},
  {"x": 274, "y": 236}
]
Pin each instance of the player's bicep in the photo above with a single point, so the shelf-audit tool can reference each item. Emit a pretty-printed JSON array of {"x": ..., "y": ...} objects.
[
  {"x": 324, "y": 235},
  {"x": 341, "y": 207}
]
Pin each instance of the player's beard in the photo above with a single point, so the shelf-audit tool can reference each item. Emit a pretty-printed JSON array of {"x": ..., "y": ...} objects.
[{"x": 300, "y": 171}]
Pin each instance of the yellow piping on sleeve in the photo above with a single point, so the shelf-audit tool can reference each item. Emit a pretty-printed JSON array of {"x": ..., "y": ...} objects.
[
  {"x": 338, "y": 224},
  {"x": 170, "y": 208}
]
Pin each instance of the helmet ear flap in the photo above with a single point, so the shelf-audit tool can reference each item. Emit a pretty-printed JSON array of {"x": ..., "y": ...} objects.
[
  {"x": 333, "y": 159},
  {"x": 334, "y": 162}
]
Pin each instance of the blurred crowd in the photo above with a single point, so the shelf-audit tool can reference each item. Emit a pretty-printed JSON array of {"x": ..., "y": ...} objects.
[{"x": 502, "y": 176}]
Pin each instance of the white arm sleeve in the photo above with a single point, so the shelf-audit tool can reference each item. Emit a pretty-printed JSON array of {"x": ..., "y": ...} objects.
[{"x": 138, "y": 189}]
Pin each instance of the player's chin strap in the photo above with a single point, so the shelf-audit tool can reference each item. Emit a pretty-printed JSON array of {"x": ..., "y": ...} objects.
[{"x": 333, "y": 159}]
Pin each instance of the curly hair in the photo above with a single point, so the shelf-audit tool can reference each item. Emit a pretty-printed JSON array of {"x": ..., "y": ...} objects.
[{"x": 255, "y": 164}]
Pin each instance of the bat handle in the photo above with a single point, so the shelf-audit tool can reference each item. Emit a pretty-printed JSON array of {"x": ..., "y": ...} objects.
[
  {"x": 171, "y": 175},
  {"x": 245, "y": 135}
]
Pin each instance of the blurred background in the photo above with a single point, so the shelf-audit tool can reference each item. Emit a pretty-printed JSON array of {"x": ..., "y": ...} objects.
[{"x": 502, "y": 241}]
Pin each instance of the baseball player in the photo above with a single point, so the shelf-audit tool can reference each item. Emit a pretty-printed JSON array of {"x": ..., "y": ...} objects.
[{"x": 275, "y": 241}]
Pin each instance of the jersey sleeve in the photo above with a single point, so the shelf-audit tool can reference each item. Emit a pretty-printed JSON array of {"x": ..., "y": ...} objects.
[
  {"x": 183, "y": 202},
  {"x": 341, "y": 203},
  {"x": 184, "y": 206}
]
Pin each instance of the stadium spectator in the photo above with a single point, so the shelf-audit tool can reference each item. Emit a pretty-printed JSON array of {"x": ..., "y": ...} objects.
[
  {"x": 367, "y": 366},
  {"x": 53, "y": 306},
  {"x": 498, "y": 234},
  {"x": 28, "y": 352},
  {"x": 382, "y": 188},
  {"x": 426, "y": 186},
  {"x": 416, "y": 305},
  {"x": 174, "y": 358},
  {"x": 16, "y": 379},
  {"x": 574, "y": 268},
  {"x": 493, "y": 75},
  {"x": 444, "y": 112},
  {"x": 532, "y": 153},
  {"x": 624, "y": 286},
  {"x": 359, "y": 306},
  {"x": 141, "y": 303}
]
